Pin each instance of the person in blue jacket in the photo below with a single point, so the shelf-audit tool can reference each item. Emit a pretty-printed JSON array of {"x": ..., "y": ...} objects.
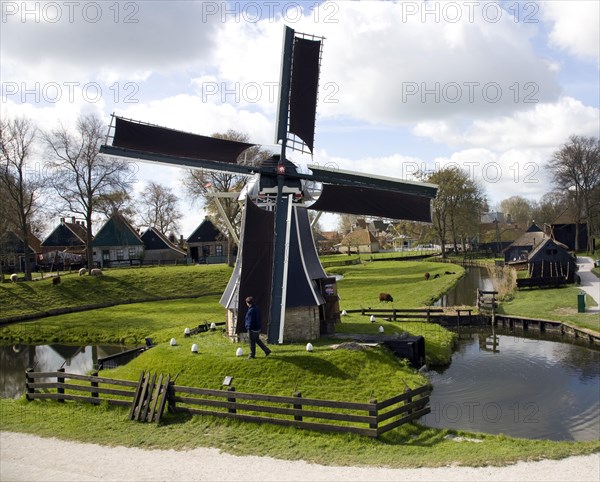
[{"x": 253, "y": 325}]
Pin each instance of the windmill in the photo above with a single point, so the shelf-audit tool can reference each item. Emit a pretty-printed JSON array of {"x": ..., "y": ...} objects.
[{"x": 277, "y": 261}]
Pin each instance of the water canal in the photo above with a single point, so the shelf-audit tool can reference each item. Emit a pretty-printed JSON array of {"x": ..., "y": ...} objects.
[
  {"x": 15, "y": 359},
  {"x": 465, "y": 291},
  {"x": 531, "y": 387}
]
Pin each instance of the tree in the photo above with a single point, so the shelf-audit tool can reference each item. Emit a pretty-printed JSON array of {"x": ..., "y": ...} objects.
[
  {"x": 457, "y": 206},
  {"x": 519, "y": 208},
  {"x": 81, "y": 175},
  {"x": 551, "y": 205},
  {"x": 21, "y": 185},
  {"x": 576, "y": 168},
  {"x": 159, "y": 208},
  {"x": 346, "y": 222},
  {"x": 200, "y": 183},
  {"x": 116, "y": 201}
]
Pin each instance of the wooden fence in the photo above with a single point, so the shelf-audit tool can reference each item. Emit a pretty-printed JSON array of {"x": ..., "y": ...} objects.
[
  {"x": 372, "y": 418},
  {"x": 408, "y": 314},
  {"x": 39, "y": 385},
  {"x": 541, "y": 282}
]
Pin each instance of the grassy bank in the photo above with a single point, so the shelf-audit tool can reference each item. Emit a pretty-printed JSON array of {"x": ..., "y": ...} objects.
[
  {"x": 404, "y": 280},
  {"x": 551, "y": 304},
  {"x": 325, "y": 373},
  {"x": 117, "y": 285}
]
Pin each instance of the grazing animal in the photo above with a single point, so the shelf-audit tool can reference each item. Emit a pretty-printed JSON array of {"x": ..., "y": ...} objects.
[
  {"x": 436, "y": 276},
  {"x": 82, "y": 271},
  {"x": 96, "y": 272},
  {"x": 14, "y": 277},
  {"x": 56, "y": 280},
  {"x": 448, "y": 272},
  {"x": 385, "y": 298},
  {"x": 427, "y": 275}
]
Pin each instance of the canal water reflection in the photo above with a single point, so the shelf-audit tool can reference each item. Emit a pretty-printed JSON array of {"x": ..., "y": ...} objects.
[
  {"x": 465, "y": 291},
  {"x": 523, "y": 387},
  {"x": 15, "y": 359}
]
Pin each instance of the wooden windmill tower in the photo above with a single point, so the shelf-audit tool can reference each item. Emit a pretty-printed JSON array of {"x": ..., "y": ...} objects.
[{"x": 277, "y": 261}]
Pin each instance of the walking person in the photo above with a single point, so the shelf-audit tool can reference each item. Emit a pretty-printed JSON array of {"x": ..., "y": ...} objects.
[{"x": 253, "y": 324}]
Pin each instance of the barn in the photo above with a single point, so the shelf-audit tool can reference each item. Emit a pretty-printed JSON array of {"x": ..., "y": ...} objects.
[{"x": 550, "y": 259}]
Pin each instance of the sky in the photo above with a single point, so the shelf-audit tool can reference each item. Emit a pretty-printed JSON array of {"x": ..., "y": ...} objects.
[{"x": 492, "y": 87}]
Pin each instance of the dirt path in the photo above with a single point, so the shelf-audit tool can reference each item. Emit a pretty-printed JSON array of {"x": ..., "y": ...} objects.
[{"x": 31, "y": 458}]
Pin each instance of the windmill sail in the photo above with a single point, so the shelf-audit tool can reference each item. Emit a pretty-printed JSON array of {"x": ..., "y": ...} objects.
[
  {"x": 300, "y": 68},
  {"x": 139, "y": 140}
]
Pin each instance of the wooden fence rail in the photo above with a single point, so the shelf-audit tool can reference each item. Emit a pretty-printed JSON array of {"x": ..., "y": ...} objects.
[
  {"x": 397, "y": 314},
  {"x": 369, "y": 418}
]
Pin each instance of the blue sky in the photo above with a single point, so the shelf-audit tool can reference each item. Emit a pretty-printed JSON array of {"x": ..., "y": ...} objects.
[{"x": 494, "y": 87}]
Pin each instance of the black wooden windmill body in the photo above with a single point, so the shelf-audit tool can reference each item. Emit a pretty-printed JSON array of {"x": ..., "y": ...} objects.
[{"x": 277, "y": 260}]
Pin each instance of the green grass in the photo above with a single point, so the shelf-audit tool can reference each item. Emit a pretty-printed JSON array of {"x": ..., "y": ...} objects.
[
  {"x": 353, "y": 375},
  {"x": 128, "y": 324},
  {"x": 325, "y": 373},
  {"x": 408, "y": 446},
  {"x": 439, "y": 342},
  {"x": 404, "y": 280},
  {"x": 551, "y": 304},
  {"x": 117, "y": 285}
]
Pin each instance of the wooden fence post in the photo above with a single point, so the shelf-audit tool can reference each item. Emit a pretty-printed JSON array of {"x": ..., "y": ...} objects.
[
  {"x": 60, "y": 390},
  {"x": 29, "y": 379},
  {"x": 231, "y": 399},
  {"x": 408, "y": 400},
  {"x": 298, "y": 406},
  {"x": 95, "y": 393},
  {"x": 373, "y": 412}
]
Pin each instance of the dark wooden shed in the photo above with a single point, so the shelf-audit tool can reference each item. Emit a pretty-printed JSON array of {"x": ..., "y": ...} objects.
[{"x": 551, "y": 259}]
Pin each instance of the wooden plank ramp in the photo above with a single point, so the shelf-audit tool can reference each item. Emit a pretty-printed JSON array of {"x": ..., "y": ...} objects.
[{"x": 150, "y": 398}]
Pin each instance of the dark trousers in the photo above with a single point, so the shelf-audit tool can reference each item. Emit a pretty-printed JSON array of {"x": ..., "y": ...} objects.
[{"x": 255, "y": 340}]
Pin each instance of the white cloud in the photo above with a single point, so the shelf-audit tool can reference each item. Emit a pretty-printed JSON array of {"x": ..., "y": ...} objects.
[
  {"x": 108, "y": 40},
  {"x": 576, "y": 26},
  {"x": 547, "y": 124},
  {"x": 393, "y": 68}
]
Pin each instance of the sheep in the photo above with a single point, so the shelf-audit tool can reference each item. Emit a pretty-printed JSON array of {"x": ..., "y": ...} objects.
[
  {"x": 56, "y": 280},
  {"x": 14, "y": 277},
  {"x": 385, "y": 298},
  {"x": 82, "y": 271},
  {"x": 427, "y": 275},
  {"x": 437, "y": 275},
  {"x": 96, "y": 272}
]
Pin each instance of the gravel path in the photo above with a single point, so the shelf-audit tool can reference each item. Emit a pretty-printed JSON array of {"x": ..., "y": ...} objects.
[{"x": 31, "y": 458}]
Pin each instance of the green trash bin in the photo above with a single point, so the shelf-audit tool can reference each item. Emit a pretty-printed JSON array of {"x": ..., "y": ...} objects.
[{"x": 581, "y": 303}]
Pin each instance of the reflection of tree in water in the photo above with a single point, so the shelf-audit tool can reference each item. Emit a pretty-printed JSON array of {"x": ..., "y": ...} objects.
[
  {"x": 14, "y": 360},
  {"x": 585, "y": 362}
]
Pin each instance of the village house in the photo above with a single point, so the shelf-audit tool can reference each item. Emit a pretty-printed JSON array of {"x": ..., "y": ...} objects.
[
  {"x": 65, "y": 246},
  {"x": 158, "y": 248},
  {"x": 117, "y": 243},
  {"x": 359, "y": 241},
  {"x": 207, "y": 244},
  {"x": 519, "y": 250},
  {"x": 12, "y": 252}
]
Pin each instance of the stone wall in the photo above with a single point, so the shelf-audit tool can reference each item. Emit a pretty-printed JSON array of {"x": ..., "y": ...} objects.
[{"x": 301, "y": 324}]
